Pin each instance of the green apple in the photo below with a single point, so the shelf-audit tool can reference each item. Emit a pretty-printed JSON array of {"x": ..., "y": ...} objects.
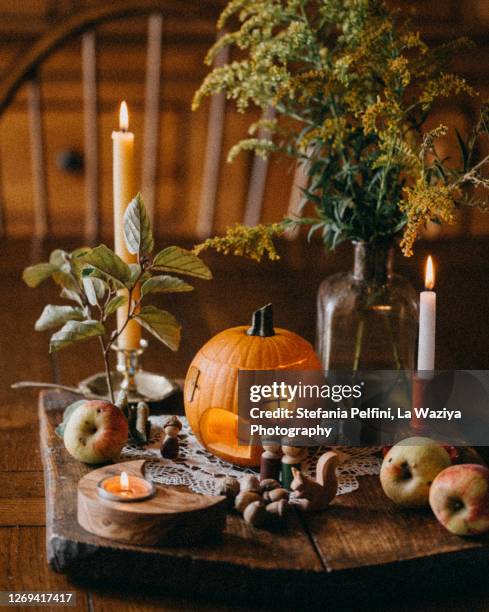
[
  {"x": 95, "y": 432},
  {"x": 410, "y": 467},
  {"x": 459, "y": 497}
]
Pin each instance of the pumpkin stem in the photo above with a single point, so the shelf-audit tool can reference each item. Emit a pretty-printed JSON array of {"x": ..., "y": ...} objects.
[{"x": 262, "y": 322}]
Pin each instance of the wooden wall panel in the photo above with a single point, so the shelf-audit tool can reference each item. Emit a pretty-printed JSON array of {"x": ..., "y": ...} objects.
[{"x": 121, "y": 70}]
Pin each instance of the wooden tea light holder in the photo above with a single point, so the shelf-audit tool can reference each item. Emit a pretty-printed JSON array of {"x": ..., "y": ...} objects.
[{"x": 135, "y": 511}]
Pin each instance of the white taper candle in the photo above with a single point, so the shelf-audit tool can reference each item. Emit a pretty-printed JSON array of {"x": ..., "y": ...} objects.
[{"x": 427, "y": 321}]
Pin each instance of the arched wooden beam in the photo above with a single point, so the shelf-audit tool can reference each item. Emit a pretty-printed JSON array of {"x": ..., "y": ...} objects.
[{"x": 87, "y": 19}]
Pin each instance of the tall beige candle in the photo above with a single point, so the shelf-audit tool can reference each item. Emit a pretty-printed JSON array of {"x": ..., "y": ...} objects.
[{"x": 124, "y": 192}]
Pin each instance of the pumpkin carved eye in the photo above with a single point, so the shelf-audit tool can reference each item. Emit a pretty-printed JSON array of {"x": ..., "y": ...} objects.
[
  {"x": 211, "y": 385},
  {"x": 191, "y": 383}
]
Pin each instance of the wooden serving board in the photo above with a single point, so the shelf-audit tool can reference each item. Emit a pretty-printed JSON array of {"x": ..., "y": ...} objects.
[{"x": 361, "y": 545}]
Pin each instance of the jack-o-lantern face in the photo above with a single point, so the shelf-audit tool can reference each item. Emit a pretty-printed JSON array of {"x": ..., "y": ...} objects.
[{"x": 211, "y": 385}]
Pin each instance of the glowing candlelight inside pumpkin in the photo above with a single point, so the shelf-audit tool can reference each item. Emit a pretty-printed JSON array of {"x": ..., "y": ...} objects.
[
  {"x": 125, "y": 488},
  {"x": 427, "y": 320}
]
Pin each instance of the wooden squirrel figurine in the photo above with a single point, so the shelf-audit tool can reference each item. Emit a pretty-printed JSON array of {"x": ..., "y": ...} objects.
[{"x": 316, "y": 494}]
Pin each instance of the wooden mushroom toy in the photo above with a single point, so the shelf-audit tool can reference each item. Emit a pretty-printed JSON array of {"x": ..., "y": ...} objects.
[{"x": 316, "y": 494}]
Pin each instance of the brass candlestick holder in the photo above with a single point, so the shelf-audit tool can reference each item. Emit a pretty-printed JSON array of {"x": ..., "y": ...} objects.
[{"x": 156, "y": 390}]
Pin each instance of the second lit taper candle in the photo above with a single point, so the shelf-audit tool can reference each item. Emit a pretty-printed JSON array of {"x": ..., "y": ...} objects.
[
  {"x": 427, "y": 320},
  {"x": 124, "y": 192}
]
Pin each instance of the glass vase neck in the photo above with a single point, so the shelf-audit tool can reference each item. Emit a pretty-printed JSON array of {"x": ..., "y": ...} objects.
[{"x": 373, "y": 261}]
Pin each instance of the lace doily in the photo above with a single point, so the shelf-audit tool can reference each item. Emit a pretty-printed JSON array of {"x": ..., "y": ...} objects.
[{"x": 202, "y": 472}]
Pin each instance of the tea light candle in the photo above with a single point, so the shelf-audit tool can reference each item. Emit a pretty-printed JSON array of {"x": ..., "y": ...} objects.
[
  {"x": 427, "y": 320},
  {"x": 125, "y": 488}
]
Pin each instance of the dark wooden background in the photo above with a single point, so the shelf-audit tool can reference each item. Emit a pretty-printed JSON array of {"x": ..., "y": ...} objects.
[{"x": 121, "y": 67}]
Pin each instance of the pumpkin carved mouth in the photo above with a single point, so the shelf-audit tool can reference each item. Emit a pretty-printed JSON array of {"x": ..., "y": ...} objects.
[{"x": 219, "y": 434}]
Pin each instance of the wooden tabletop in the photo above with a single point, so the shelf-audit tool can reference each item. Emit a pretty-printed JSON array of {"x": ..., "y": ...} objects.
[{"x": 238, "y": 288}]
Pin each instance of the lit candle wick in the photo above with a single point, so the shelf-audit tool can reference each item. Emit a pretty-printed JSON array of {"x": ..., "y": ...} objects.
[
  {"x": 429, "y": 281},
  {"x": 124, "y": 479},
  {"x": 123, "y": 117}
]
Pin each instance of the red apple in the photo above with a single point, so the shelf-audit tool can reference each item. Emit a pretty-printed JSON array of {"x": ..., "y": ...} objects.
[
  {"x": 95, "y": 432},
  {"x": 459, "y": 497}
]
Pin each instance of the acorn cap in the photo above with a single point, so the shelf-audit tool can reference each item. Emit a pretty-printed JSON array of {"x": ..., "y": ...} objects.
[{"x": 173, "y": 421}]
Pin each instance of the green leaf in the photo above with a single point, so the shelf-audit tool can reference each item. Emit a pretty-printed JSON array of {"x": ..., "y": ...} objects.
[
  {"x": 104, "y": 260},
  {"x": 161, "y": 324},
  {"x": 73, "y": 296},
  {"x": 80, "y": 252},
  {"x": 69, "y": 410},
  {"x": 75, "y": 331},
  {"x": 64, "y": 280},
  {"x": 135, "y": 272},
  {"x": 77, "y": 262},
  {"x": 137, "y": 228},
  {"x": 59, "y": 258},
  {"x": 115, "y": 303},
  {"x": 35, "y": 275},
  {"x": 55, "y": 316},
  {"x": 94, "y": 289},
  {"x": 164, "y": 284},
  {"x": 176, "y": 259}
]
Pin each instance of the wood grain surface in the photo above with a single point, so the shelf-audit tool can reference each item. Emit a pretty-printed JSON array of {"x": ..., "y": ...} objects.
[
  {"x": 362, "y": 536},
  {"x": 462, "y": 332},
  {"x": 121, "y": 68},
  {"x": 244, "y": 560},
  {"x": 170, "y": 517}
]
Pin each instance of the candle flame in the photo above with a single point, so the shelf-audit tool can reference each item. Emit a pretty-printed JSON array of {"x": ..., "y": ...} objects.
[
  {"x": 429, "y": 281},
  {"x": 124, "y": 478},
  {"x": 123, "y": 117}
]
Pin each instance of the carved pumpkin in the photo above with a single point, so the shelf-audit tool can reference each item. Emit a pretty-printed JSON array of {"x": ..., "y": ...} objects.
[{"x": 211, "y": 385}]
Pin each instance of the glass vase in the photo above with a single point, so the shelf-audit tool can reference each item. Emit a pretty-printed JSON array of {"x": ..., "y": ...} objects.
[{"x": 367, "y": 318}]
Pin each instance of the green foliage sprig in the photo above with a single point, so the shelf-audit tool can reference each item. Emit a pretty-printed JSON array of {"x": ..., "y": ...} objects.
[
  {"x": 352, "y": 88},
  {"x": 98, "y": 282}
]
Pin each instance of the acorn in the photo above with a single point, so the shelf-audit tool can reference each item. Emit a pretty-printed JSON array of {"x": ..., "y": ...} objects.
[
  {"x": 230, "y": 489},
  {"x": 276, "y": 495},
  {"x": 249, "y": 482},
  {"x": 269, "y": 484},
  {"x": 255, "y": 514},
  {"x": 244, "y": 499},
  {"x": 279, "y": 508}
]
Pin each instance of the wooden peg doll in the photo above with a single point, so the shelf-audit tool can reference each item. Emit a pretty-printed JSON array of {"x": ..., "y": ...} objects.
[
  {"x": 270, "y": 462},
  {"x": 292, "y": 458}
]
